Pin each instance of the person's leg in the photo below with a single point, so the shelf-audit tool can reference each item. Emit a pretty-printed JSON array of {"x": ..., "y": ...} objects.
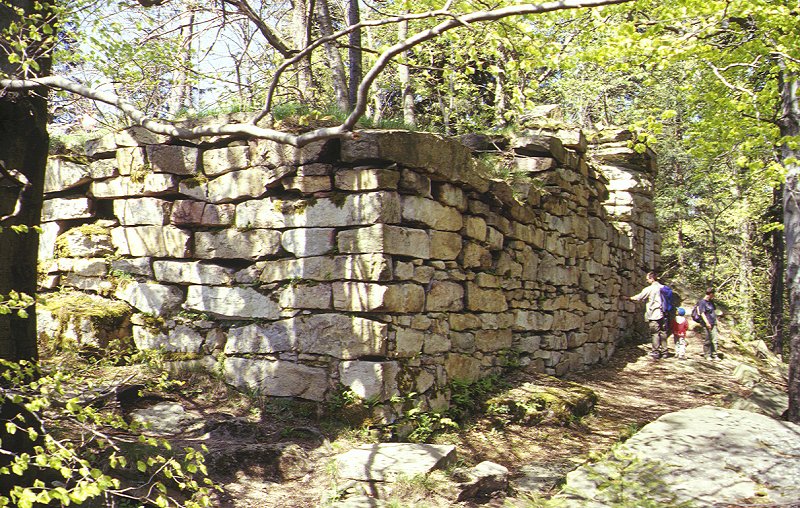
[
  {"x": 655, "y": 337},
  {"x": 708, "y": 344},
  {"x": 713, "y": 341}
]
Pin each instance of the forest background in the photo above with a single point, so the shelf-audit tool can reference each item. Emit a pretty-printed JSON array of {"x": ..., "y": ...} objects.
[{"x": 709, "y": 85}]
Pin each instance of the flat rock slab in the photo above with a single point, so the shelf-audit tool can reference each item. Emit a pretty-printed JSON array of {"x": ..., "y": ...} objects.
[
  {"x": 385, "y": 461},
  {"x": 708, "y": 456}
]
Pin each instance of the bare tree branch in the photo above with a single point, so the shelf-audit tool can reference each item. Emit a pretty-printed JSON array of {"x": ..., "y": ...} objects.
[{"x": 251, "y": 129}]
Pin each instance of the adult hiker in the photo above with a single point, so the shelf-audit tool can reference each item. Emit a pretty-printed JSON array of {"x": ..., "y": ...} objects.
[
  {"x": 707, "y": 312},
  {"x": 654, "y": 315}
]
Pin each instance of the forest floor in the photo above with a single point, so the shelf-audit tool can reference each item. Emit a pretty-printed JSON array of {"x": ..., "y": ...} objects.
[{"x": 632, "y": 391}]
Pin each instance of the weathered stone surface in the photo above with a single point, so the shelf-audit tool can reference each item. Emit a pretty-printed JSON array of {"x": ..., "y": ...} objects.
[
  {"x": 151, "y": 184},
  {"x": 367, "y": 267},
  {"x": 462, "y": 368},
  {"x": 367, "y": 297},
  {"x": 444, "y": 296},
  {"x": 66, "y": 209},
  {"x": 243, "y": 184},
  {"x": 181, "y": 339},
  {"x": 475, "y": 227},
  {"x": 156, "y": 299},
  {"x": 85, "y": 267},
  {"x": 305, "y": 242},
  {"x": 62, "y": 175},
  {"x": 445, "y": 245},
  {"x": 131, "y": 161},
  {"x": 450, "y": 195},
  {"x": 231, "y": 302},
  {"x": 484, "y": 479},
  {"x": 306, "y": 296},
  {"x": 408, "y": 343},
  {"x": 175, "y": 159},
  {"x": 386, "y": 461},
  {"x": 224, "y": 160},
  {"x": 336, "y": 335},
  {"x": 103, "y": 168},
  {"x": 151, "y": 241},
  {"x": 232, "y": 244},
  {"x": 101, "y": 147},
  {"x": 493, "y": 340},
  {"x": 276, "y": 154},
  {"x": 138, "y": 136},
  {"x": 307, "y": 184},
  {"x": 529, "y": 142},
  {"x": 431, "y": 213},
  {"x": 192, "y": 272},
  {"x": 198, "y": 213},
  {"x": 387, "y": 239},
  {"x": 370, "y": 380},
  {"x": 276, "y": 378},
  {"x": 133, "y": 266},
  {"x": 142, "y": 211},
  {"x": 485, "y": 300},
  {"x": 366, "y": 178},
  {"x": 701, "y": 439},
  {"x": 85, "y": 242},
  {"x": 352, "y": 210}
]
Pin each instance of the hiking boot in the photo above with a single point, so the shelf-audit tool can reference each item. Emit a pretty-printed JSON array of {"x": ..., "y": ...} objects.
[
  {"x": 655, "y": 355},
  {"x": 715, "y": 358}
]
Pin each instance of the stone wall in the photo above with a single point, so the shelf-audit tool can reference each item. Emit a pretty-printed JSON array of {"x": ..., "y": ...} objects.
[{"x": 388, "y": 263}]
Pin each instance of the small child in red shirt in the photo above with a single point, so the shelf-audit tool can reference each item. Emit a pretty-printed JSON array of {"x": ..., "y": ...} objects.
[{"x": 679, "y": 326}]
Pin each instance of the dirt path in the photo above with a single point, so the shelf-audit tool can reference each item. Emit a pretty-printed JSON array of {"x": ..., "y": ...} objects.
[{"x": 632, "y": 389}]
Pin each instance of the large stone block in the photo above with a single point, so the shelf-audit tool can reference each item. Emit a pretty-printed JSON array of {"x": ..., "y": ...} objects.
[
  {"x": 142, "y": 211},
  {"x": 151, "y": 241},
  {"x": 85, "y": 241},
  {"x": 275, "y": 154},
  {"x": 277, "y": 378},
  {"x": 351, "y": 210},
  {"x": 366, "y": 178},
  {"x": 306, "y": 296},
  {"x": 368, "y": 297},
  {"x": 198, "y": 213},
  {"x": 151, "y": 184},
  {"x": 305, "y": 242},
  {"x": 269, "y": 338},
  {"x": 156, "y": 299},
  {"x": 232, "y": 244},
  {"x": 175, "y": 159},
  {"x": 445, "y": 245},
  {"x": 307, "y": 184},
  {"x": 62, "y": 175},
  {"x": 180, "y": 339},
  {"x": 431, "y": 213},
  {"x": 231, "y": 302},
  {"x": 335, "y": 335},
  {"x": 373, "y": 381},
  {"x": 237, "y": 185},
  {"x": 131, "y": 161},
  {"x": 444, "y": 296},
  {"x": 485, "y": 300},
  {"x": 66, "y": 209},
  {"x": 340, "y": 336},
  {"x": 408, "y": 343},
  {"x": 47, "y": 240},
  {"x": 386, "y": 239},
  {"x": 371, "y": 267},
  {"x": 192, "y": 272},
  {"x": 493, "y": 340},
  {"x": 223, "y": 160},
  {"x": 462, "y": 368}
]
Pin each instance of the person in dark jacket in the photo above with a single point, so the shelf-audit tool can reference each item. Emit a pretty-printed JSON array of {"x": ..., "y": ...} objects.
[{"x": 708, "y": 317}]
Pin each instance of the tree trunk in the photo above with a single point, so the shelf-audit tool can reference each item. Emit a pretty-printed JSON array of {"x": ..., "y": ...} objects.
[
  {"x": 300, "y": 27},
  {"x": 776, "y": 274},
  {"x": 23, "y": 149},
  {"x": 407, "y": 93},
  {"x": 354, "y": 52},
  {"x": 180, "y": 94},
  {"x": 334, "y": 58},
  {"x": 790, "y": 126}
]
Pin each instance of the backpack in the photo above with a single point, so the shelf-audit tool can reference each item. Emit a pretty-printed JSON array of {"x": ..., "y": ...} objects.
[
  {"x": 696, "y": 315},
  {"x": 667, "y": 300}
]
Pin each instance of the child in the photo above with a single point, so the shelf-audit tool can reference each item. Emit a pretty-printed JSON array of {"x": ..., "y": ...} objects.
[{"x": 679, "y": 326}]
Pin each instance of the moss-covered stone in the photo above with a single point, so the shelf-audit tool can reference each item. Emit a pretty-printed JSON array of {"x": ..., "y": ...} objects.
[{"x": 532, "y": 403}]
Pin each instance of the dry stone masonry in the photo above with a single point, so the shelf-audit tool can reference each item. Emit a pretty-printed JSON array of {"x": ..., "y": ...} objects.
[{"x": 389, "y": 263}]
